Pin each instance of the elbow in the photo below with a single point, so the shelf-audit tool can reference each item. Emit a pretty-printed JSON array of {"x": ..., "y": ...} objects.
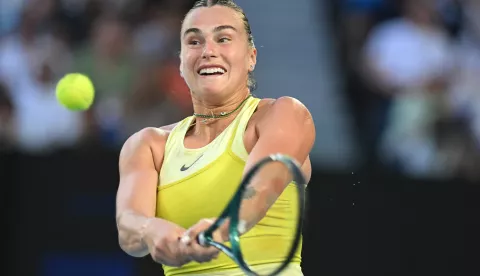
[
  {"x": 131, "y": 248},
  {"x": 134, "y": 253},
  {"x": 128, "y": 238}
]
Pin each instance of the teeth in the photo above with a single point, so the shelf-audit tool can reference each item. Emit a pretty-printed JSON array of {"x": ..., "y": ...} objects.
[{"x": 212, "y": 70}]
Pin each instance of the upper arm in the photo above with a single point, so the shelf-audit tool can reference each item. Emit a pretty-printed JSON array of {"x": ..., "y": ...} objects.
[
  {"x": 287, "y": 128},
  {"x": 139, "y": 173}
]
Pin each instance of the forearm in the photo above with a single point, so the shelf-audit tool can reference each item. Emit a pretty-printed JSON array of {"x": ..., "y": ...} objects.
[
  {"x": 262, "y": 192},
  {"x": 131, "y": 228},
  {"x": 255, "y": 207}
]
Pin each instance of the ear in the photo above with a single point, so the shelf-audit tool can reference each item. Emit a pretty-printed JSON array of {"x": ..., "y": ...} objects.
[{"x": 252, "y": 58}]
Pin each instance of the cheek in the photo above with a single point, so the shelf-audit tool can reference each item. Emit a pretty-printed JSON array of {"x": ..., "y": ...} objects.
[
  {"x": 187, "y": 64},
  {"x": 239, "y": 62}
]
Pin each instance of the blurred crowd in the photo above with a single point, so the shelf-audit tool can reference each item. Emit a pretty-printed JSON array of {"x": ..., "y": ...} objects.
[
  {"x": 129, "y": 48},
  {"x": 412, "y": 69}
]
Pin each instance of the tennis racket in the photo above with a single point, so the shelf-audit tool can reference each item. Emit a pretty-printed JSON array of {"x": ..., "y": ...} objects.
[{"x": 289, "y": 168}]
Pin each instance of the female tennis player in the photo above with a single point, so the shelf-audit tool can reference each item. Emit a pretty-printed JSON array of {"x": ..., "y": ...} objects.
[{"x": 175, "y": 178}]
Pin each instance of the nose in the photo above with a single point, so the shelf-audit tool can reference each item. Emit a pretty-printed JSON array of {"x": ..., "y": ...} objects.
[{"x": 209, "y": 50}]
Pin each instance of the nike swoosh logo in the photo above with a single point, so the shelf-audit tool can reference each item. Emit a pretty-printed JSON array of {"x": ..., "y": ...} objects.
[{"x": 184, "y": 168}]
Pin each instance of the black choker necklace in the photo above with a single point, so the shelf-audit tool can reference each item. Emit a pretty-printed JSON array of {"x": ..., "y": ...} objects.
[{"x": 222, "y": 114}]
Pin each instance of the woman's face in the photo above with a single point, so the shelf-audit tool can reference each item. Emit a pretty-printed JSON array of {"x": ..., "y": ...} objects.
[{"x": 215, "y": 54}]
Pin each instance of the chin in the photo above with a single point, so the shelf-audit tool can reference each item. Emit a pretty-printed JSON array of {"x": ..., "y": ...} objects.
[{"x": 211, "y": 89}]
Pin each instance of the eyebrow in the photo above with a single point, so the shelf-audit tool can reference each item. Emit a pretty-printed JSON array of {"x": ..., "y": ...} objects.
[{"x": 215, "y": 30}]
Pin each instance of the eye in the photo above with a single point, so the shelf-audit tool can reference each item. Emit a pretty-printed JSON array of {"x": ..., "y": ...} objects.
[
  {"x": 224, "y": 39},
  {"x": 193, "y": 42}
]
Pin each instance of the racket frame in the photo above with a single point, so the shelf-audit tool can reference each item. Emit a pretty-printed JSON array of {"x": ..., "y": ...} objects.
[{"x": 232, "y": 211}]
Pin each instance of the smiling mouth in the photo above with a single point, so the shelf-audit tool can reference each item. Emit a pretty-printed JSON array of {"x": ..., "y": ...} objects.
[{"x": 212, "y": 71}]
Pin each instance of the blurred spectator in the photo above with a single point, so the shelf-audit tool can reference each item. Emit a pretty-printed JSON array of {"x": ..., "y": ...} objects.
[
  {"x": 149, "y": 106},
  {"x": 108, "y": 61},
  {"x": 425, "y": 102},
  {"x": 451, "y": 13},
  {"x": 156, "y": 38},
  {"x": 31, "y": 61},
  {"x": 10, "y": 15},
  {"x": 170, "y": 81},
  {"x": 408, "y": 59},
  {"x": 457, "y": 149},
  {"x": 464, "y": 97},
  {"x": 357, "y": 19},
  {"x": 77, "y": 17},
  {"x": 7, "y": 137}
]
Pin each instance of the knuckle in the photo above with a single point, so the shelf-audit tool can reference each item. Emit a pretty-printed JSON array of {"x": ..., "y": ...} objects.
[
  {"x": 176, "y": 264},
  {"x": 196, "y": 259},
  {"x": 171, "y": 238},
  {"x": 189, "y": 251},
  {"x": 204, "y": 259}
]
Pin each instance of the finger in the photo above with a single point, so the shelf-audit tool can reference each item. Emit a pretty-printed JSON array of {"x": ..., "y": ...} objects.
[
  {"x": 220, "y": 236},
  {"x": 196, "y": 249},
  {"x": 174, "y": 252},
  {"x": 202, "y": 254},
  {"x": 199, "y": 253},
  {"x": 209, "y": 250},
  {"x": 177, "y": 253},
  {"x": 192, "y": 233}
]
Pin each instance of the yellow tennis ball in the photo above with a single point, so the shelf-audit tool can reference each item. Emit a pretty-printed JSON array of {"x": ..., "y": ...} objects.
[{"x": 75, "y": 92}]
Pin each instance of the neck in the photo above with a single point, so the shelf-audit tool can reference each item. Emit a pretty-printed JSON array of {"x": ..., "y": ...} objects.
[
  {"x": 223, "y": 109},
  {"x": 216, "y": 105}
]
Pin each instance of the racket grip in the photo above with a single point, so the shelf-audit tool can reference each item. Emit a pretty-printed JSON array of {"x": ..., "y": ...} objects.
[{"x": 201, "y": 239}]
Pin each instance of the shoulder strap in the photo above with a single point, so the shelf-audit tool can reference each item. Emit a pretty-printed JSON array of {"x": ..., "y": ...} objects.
[
  {"x": 177, "y": 134},
  {"x": 236, "y": 140}
]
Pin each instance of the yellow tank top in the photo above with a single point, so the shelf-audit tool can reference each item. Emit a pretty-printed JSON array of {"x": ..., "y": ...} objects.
[{"x": 198, "y": 183}]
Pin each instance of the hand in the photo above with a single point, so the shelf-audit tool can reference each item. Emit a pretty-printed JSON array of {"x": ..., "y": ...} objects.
[
  {"x": 193, "y": 249},
  {"x": 163, "y": 241}
]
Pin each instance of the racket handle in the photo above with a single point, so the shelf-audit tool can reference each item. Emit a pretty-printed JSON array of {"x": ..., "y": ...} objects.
[{"x": 201, "y": 239}]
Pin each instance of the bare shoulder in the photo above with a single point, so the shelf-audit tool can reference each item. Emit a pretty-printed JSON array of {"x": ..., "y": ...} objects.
[
  {"x": 288, "y": 118},
  {"x": 269, "y": 108},
  {"x": 148, "y": 142},
  {"x": 146, "y": 137},
  {"x": 151, "y": 135},
  {"x": 285, "y": 107},
  {"x": 168, "y": 128}
]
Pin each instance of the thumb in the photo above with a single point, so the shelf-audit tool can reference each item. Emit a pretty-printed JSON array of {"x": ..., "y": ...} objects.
[{"x": 193, "y": 231}]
